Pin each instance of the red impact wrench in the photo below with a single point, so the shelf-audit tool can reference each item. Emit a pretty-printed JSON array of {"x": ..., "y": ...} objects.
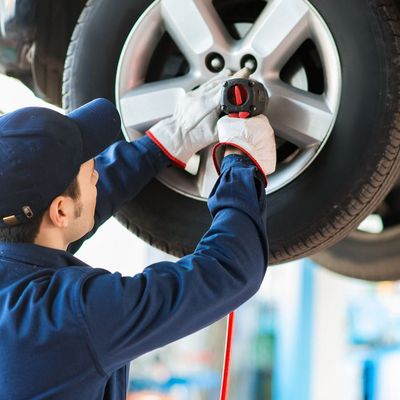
[{"x": 241, "y": 98}]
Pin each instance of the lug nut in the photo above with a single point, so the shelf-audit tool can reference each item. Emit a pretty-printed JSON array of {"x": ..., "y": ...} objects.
[
  {"x": 249, "y": 62},
  {"x": 215, "y": 62}
]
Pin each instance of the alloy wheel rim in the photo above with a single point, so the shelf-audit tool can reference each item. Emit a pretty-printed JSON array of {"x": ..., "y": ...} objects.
[{"x": 299, "y": 117}]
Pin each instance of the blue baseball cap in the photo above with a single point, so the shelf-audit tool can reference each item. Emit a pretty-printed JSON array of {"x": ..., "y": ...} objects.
[{"x": 41, "y": 152}]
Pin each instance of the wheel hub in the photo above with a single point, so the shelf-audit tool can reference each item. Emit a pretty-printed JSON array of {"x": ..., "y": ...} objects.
[{"x": 274, "y": 46}]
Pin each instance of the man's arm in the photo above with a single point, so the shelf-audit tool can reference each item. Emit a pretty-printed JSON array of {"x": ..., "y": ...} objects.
[
  {"x": 124, "y": 168},
  {"x": 129, "y": 316},
  {"x": 175, "y": 139}
]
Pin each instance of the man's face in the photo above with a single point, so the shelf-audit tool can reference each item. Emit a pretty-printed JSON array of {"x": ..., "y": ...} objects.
[{"x": 85, "y": 205}]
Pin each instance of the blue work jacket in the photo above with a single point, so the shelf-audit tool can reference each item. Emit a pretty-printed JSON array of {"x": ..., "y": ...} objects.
[{"x": 69, "y": 331}]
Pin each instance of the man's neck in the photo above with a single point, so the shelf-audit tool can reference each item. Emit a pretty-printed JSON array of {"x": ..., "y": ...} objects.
[{"x": 51, "y": 240}]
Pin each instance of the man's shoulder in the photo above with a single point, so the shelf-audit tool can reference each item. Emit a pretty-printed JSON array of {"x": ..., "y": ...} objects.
[{"x": 17, "y": 273}]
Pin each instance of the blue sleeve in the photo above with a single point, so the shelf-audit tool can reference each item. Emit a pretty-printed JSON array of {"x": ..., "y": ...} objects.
[
  {"x": 124, "y": 169},
  {"x": 129, "y": 316}
]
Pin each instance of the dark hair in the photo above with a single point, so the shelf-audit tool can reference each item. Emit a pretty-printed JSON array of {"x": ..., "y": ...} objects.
[{"x": 26, "y": 233}]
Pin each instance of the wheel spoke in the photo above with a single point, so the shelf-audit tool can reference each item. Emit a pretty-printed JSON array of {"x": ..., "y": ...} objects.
[
  {"x": 279, "y": 31},
  {"x": 207, "y": 175},
  {"x": 299, "y": 117},
  {"x": 195, "y": 27},
  {"x": 143, "y": 106}
]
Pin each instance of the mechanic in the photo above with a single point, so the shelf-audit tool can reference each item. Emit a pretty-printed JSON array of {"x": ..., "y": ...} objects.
[{"x": 68, "y": 330}]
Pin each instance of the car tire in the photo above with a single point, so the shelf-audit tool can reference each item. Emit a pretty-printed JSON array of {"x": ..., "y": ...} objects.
[
  {"x": 350, "y": 176},
  {"x": 363, "y": 257},
  {"x": 372, "y": 251}
]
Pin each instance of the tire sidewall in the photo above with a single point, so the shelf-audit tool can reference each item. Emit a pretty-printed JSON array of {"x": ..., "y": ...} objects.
[{"x": 330, "y": 187}]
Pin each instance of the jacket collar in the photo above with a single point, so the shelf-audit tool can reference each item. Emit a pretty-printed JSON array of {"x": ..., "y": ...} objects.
[{"x": 41, "y": 256}]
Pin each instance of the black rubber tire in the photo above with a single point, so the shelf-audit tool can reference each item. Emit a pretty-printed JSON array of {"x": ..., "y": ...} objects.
[
  {"x": 365, "y": 256},
  {"x": 348, "y": 179}
]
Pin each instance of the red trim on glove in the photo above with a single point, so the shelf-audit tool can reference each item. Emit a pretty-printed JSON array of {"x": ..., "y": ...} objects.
[
  {"x": 217, "y": 167},
  {"x": 179, "y": 163},
  {"x": 214, "y": 150}
]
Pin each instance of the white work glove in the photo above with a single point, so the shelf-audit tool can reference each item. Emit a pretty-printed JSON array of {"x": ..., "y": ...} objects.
[
  {"x": 253, "y": 136},
  {"x": 193, "y": 123}
]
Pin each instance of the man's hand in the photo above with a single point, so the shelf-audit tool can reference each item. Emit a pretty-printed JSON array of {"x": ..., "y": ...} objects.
[
  {"x": 193, "y": 124},
  {"x": 252, "y": 136}
]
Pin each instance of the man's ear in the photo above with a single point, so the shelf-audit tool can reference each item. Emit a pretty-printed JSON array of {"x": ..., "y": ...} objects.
[{"x": 60, "y": 211}]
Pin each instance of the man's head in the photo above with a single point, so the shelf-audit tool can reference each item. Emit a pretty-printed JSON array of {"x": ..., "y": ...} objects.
[{"x": 47, "y": 172}]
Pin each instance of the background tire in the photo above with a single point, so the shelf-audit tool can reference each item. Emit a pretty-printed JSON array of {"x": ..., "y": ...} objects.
[
  {"x": 363, "y": 257},
  {"x": 347, "y": 180},
  {"x": 371, "y": 252}
]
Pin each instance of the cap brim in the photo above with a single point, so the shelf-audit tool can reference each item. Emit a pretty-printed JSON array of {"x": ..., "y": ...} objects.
[{"x": 100, "y": 126}]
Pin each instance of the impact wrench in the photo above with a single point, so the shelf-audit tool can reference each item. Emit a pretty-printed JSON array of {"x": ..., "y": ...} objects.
[{"x": 241, "y": 98}]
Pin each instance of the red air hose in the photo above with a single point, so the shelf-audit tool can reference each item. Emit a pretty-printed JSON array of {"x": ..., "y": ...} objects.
[
  {"x": 240, "y": 96},
  {"x": 227, "y": 358}
]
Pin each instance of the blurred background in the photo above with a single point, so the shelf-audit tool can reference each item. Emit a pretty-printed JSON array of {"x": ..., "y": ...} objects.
[{"x": 308, "y": 334}]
